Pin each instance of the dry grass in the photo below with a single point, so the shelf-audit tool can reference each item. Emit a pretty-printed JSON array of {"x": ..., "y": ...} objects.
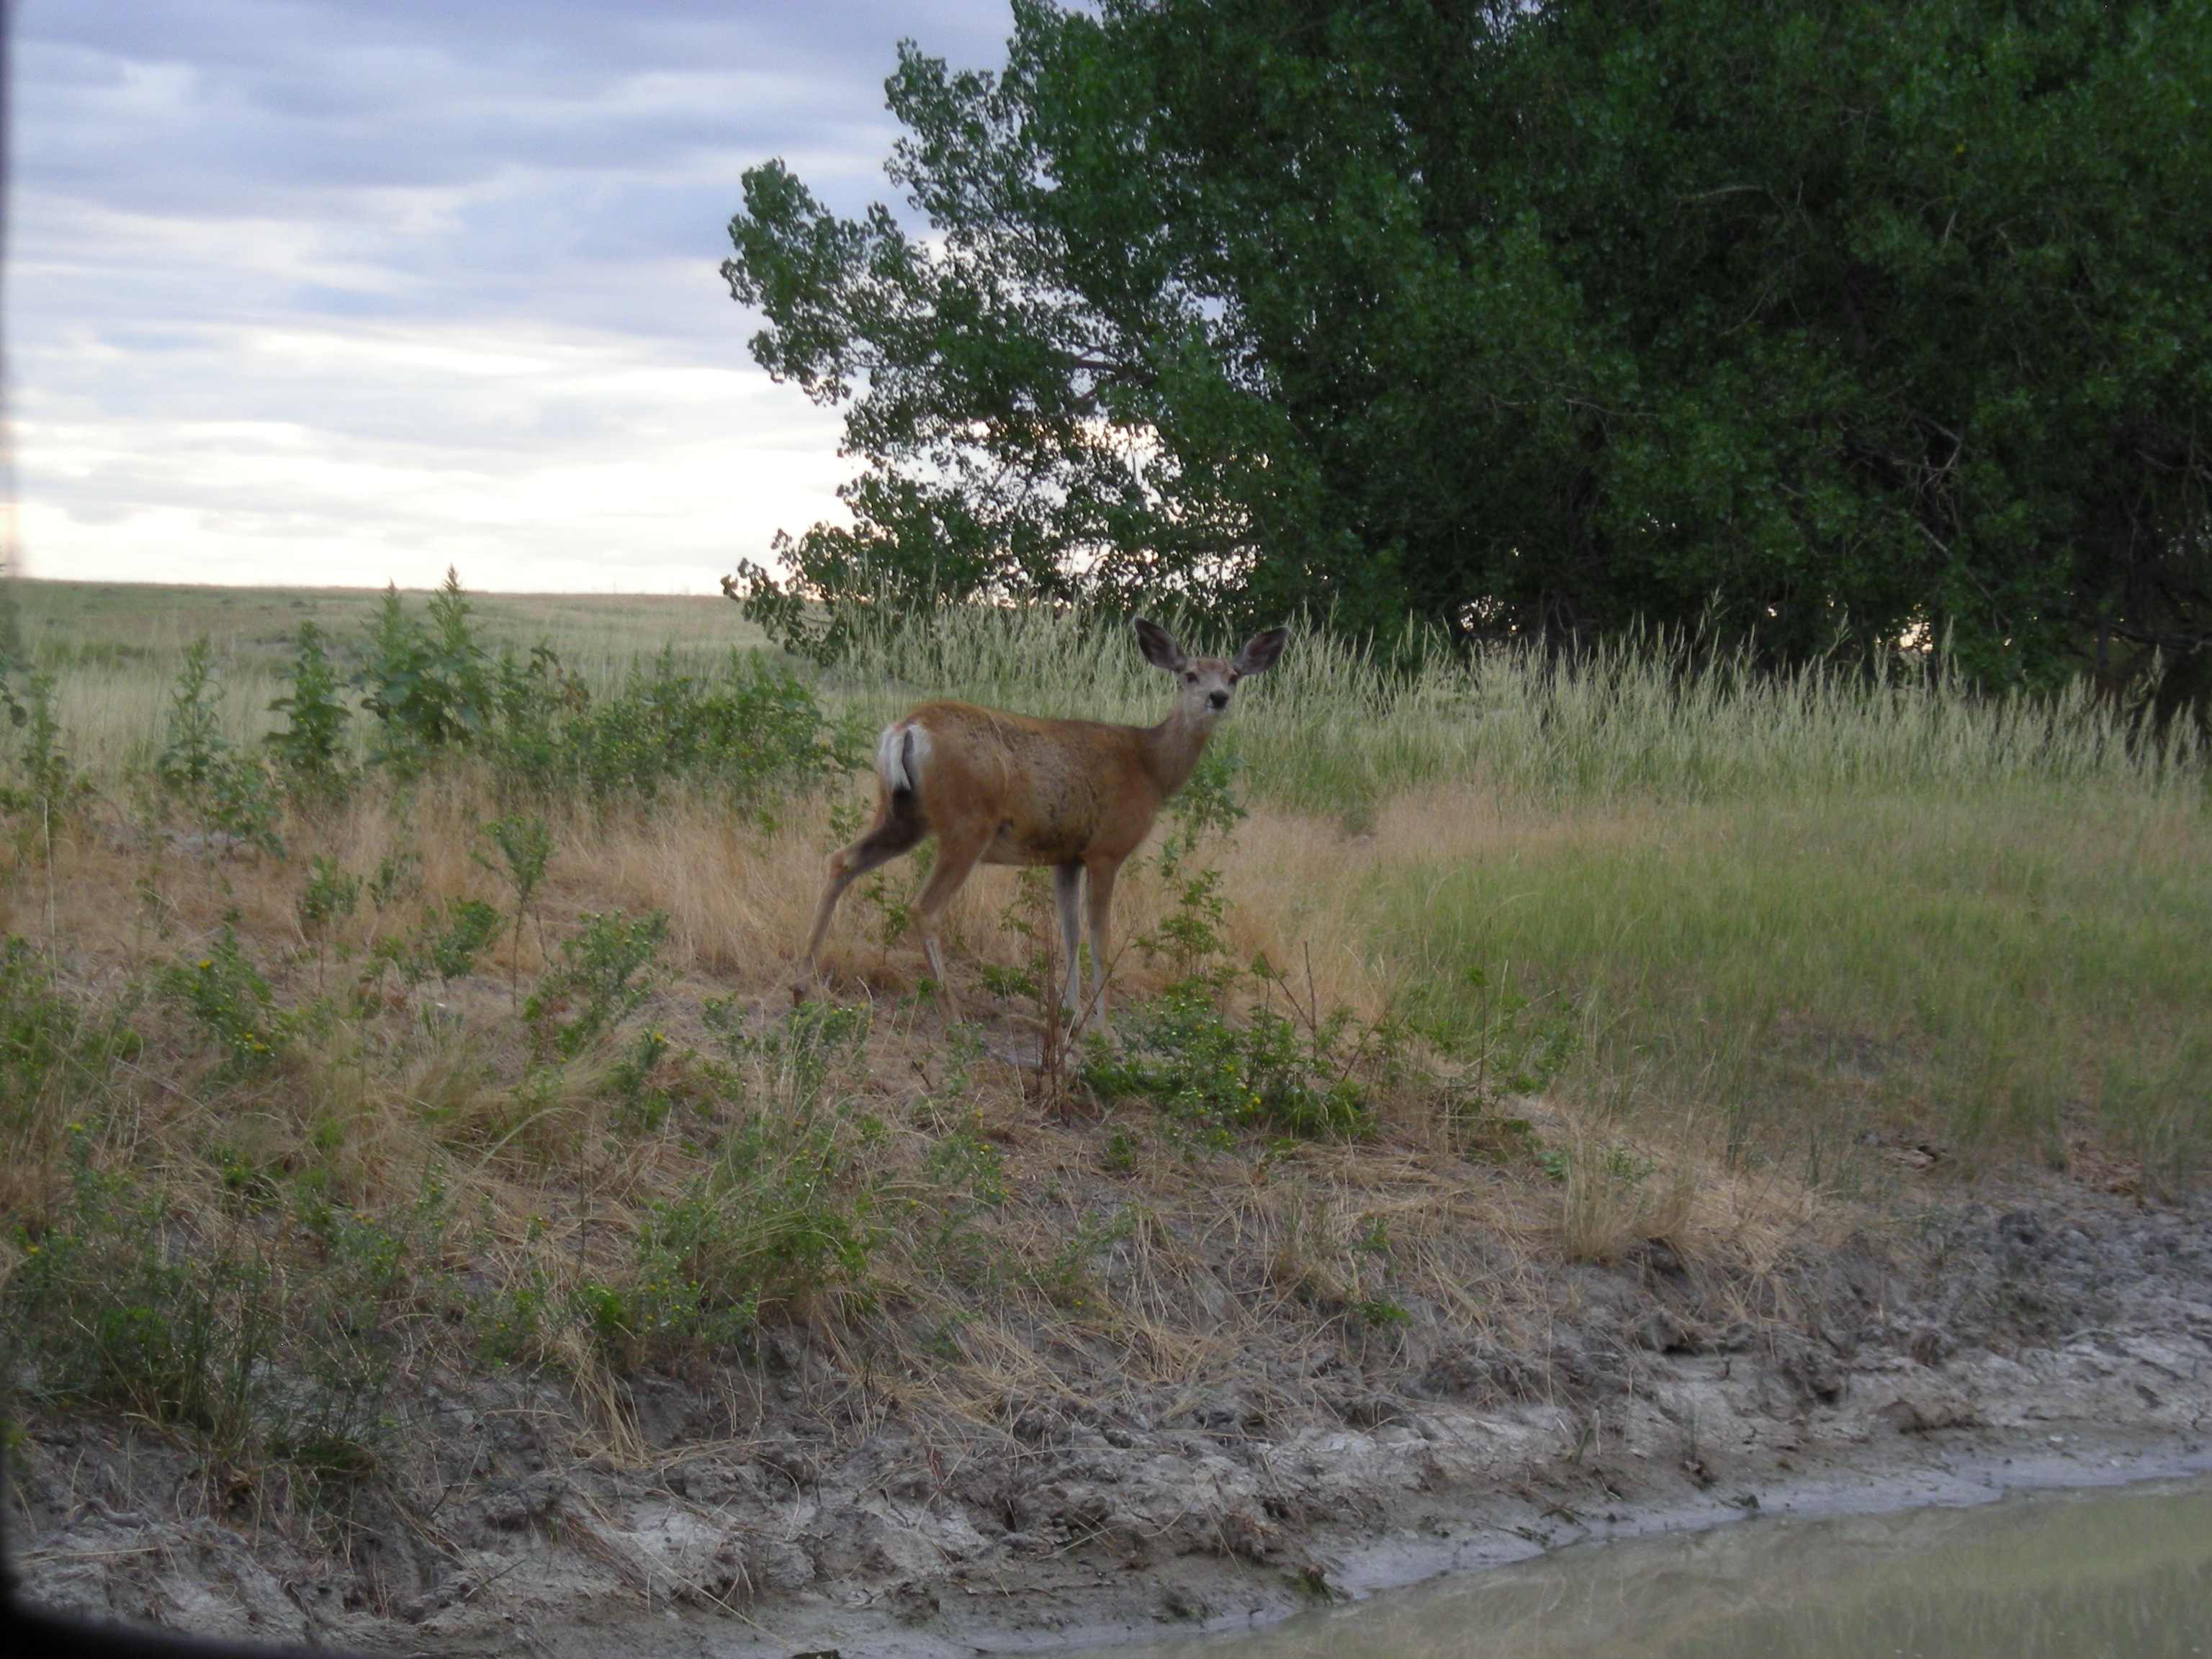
[{"x": 1123, "y": 1260}]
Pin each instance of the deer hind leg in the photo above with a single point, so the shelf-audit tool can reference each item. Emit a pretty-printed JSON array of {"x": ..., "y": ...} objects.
[
  {"x": 1102, "y": 872},
  {"x": 956, "y": 854},
  {"x": 1067, "y": 897},
  {"x": 899, "y": 828}
]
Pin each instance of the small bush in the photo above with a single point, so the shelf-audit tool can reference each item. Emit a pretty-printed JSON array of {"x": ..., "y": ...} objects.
[
  {"x": 738, "y": 731},
  {"x": 310, "y": 752},
  {"x": 49, "y": 1052},
  {"x": 605, "y": 971},
  {"x": 428, "y": 683},
  {"x": 1266, "y": 1071},
  {"x": 446, "y": 942},
  {"x": 122, "y": 1306},
  {"x": 223, "y": 992},
  {"x": 524, "y": 844},
  {"x": 227, "y": 792},
  {"x": 49, "y": 794}
]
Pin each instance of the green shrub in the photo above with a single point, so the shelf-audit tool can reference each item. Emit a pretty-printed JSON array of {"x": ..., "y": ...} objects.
[
  {"x": 222, "y": 993},
  {"x": 605, "y": 971},
  {"x": 446, "y": 942},
  {"x": 779, "y": 1220},
  {"x": 737, "y": 732},
  {"x": 328, "y": 895},
  {"x": 212, "y": 1331},
  {"x": 792, "y": 1055},
  {"x": 525, "y": 844},
  {"x": 1265, "y": 1070},
  {"x": 311, "y": 751},
  {"x": 428, "y": 683},
  {"x": 227, "y": 792},
  {"x": 51, "y": 793},
  {"x": 118, "y": 1313}
]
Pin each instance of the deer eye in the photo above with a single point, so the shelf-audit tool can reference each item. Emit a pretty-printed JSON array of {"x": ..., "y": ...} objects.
[
  {"x": 1234, "y": 677},
  {"x": 1190, "y": 679}
]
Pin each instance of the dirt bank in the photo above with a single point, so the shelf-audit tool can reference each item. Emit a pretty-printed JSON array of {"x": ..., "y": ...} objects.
[{"x": 790, "y": 1507}]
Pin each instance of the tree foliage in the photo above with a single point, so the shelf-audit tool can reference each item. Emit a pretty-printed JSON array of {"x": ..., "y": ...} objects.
[{"x": 1817, "y": 324}]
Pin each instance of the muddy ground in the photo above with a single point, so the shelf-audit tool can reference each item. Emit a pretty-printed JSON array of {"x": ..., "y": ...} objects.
[{"x": 793, "y": 1509}]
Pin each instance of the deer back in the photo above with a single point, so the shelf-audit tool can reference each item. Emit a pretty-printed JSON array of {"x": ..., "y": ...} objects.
[{"x": 1035, "y": 791}]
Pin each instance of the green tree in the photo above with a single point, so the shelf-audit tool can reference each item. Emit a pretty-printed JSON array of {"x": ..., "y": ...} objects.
[{"x": 1816, "y": 324}]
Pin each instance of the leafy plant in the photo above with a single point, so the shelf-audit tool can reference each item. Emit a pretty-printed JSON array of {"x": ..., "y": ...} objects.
[
  {"x": 429, "y": 684},
  {"x": 1262, "y": 1071},
  {"x": 329, "y": 896},
  {"x": 604, "y": 973},
  {"x": 738, "y": 731},
  {"x": 446, "y": 942},
  {"x": 52, "y": 793},
  {"x": 228, "y": 791},
  {"x": 794, "y": 1054},
  {"x": 399, "y": 876},
  {"x": 226, "y": 996},
  {"x": 525, "y": 844},
  {"x": 311, "y": 751},
  {"x": 196, "y": 1326}
]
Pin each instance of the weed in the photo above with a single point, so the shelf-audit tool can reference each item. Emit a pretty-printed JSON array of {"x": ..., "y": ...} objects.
[
  {"x": 226, "y": 790},
  {"x": 794, "y": 1054},
  {"x": 428, "y": 687},
  {"x": 446, "y": 942},
  {"x": 201, "y": 1330},
  {"x": 1212, "y": 1074},
  {"x": 777, "y": 1221},
  {"x": 52, "y": 794},
  {"x": 55, "y": 1057},
  {"x": 399, "y": 876},
  {"x": 311, "y": 751},
  {"x": 607, "y": 970},
  {"x": 223, "y": 993},
  {"x": 524, "y": 844},
  {"x": 328, "y": 895}
]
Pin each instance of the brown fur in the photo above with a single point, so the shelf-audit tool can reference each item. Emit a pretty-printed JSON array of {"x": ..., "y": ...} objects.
[{"x": 1000, "y": 789}]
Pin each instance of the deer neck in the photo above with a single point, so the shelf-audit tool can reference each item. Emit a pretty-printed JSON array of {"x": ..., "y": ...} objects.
[{"x": 1172, "y": 749}]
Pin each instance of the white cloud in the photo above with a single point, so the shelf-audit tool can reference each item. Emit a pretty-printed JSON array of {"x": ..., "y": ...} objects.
[{"x": 324, "y": 293}]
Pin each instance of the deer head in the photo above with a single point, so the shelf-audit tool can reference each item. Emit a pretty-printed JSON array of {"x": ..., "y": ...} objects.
[{"x": 1206, "y": 683}]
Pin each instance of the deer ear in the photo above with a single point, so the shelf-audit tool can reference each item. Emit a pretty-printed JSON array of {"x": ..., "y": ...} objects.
[
  {"x": 1159, "y": 646},
  {"x": 1261, "y": 650}
]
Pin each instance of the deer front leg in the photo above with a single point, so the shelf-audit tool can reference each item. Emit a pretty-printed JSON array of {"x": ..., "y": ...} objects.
[
  {"x": 1067, "y": 894},
  {"x": 1102, "y": 872}
]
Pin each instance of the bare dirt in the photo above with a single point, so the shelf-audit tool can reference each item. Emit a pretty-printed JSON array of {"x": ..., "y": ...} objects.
[{"x": 792, "y": 1509}]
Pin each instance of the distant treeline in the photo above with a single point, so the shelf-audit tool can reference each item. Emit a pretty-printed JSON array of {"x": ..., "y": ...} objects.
[{"x": 1819, "y": 325}]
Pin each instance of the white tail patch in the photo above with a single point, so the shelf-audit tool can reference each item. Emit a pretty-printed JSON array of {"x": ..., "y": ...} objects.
[{"x": 900, "y": 753}]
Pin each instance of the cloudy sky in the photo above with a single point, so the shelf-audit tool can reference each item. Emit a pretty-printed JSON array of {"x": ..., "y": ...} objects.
[{"x": 344, "y": 291}]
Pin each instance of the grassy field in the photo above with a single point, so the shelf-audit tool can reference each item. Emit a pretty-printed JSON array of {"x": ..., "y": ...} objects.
[{"x": 325, "y": 1083}]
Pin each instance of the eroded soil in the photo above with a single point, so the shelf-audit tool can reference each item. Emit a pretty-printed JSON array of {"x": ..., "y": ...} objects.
[{"x": 789, "y": 1507}]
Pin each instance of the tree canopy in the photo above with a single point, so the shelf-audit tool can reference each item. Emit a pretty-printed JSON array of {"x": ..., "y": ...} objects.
[{"x": 1820, "y": 325}]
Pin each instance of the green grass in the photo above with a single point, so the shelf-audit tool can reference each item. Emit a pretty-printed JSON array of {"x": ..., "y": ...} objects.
[{"x": 2012, "y": 961}]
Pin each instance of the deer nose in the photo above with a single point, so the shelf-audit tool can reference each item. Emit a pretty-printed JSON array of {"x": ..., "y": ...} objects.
[{"x": 1219, "y": 699}]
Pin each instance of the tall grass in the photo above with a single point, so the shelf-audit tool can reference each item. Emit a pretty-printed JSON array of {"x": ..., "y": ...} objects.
[
  {"x": 1808, "y": 913},
  {"x": 1332, "y": 729}
]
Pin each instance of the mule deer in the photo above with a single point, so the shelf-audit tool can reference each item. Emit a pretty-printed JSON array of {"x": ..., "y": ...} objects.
[{"x": 999, "y": 788}]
